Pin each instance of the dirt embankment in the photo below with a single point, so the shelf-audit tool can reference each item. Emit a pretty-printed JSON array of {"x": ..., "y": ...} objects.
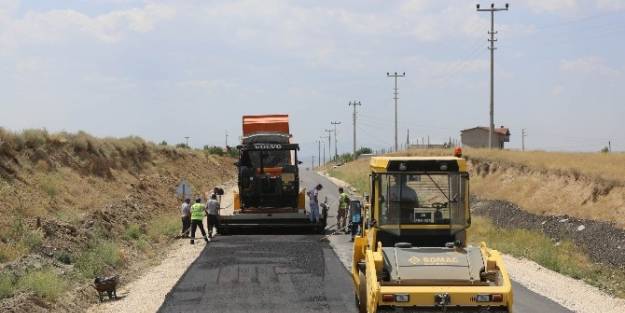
[
  {"x": 73, "y": 206},
  {"x": 550, "y": 192}
]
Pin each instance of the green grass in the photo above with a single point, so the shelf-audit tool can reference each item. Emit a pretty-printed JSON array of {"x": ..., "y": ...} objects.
[
  {"x": 133, "y": 232},
  {"x": 163, "y": 227},
  {"x": 354, "y": 173},
  {"x": 43, "y": 283},
  {"x": 33, "y": 239},
  {"x": 564, "y": 257},
  {"x": 101, "y": 256},
  {"x": 7, "y": 285},
  {"x": 20, "y": 242}
]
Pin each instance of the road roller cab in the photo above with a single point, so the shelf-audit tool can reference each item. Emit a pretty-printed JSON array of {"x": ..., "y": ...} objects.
[{"x": 413, "y": 254}]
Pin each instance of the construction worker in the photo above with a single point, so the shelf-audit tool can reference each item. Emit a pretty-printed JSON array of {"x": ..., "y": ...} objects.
[
  {"x": 212, "y": 211},
  {"x": 355, "y": 212},
  {"x": 314, "y": 203},
  {"x": 197, "y": 219},
  {"x": 185, "y": 214},
  {"x": 342, "y": 211}
]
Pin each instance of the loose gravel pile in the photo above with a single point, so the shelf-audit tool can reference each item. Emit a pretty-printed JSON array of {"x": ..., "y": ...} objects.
[{"x": 603, "y": 242}]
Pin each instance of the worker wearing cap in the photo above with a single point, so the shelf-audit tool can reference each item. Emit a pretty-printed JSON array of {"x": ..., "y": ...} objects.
[
  {"x": 185, "y": 214},
  {"x": 314, "y": 203},
  {"x": 212, "y": 212},
  {"x": 197, "y": 219}
]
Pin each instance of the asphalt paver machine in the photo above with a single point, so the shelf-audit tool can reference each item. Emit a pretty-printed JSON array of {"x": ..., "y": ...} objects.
[{"x": 269, "y": 195}]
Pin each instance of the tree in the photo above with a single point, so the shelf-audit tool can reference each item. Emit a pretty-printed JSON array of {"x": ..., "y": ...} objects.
[
  {"x": 214, "y": 150},
  {"x": 363, "y": 150}
]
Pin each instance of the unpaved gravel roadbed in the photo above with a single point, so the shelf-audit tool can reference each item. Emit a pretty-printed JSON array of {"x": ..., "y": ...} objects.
[{"x": 146, "y": 294}]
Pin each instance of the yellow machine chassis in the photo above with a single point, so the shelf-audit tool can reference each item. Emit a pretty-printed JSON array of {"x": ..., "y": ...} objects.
[{"x": 367, "y": 250}]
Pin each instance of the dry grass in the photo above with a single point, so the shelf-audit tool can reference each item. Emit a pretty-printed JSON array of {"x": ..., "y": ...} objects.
[
  {"x": 65, "y": 178},
  {"x": 607, "y": 166}
]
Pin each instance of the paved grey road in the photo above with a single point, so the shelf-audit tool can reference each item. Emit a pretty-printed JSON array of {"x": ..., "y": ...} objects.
[
  {"x": 525, "y": 300},
  {"x": 284, "y": 273}
]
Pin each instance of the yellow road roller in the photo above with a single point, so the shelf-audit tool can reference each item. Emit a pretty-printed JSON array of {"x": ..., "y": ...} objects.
[{"x": 412, "y": 255}]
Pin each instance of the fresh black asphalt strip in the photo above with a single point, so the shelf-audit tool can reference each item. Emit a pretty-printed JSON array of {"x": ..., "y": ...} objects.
[{"x": 264, "y": 273}]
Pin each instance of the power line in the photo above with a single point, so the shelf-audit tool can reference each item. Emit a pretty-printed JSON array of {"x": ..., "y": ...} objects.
[{"x": 492, "y": 48}]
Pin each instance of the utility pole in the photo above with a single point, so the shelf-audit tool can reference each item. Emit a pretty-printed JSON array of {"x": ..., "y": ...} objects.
[
  {"x": 396, "y": 93},
  {"x": 609, "y": 146},
  {"x": 354, "y": 104},
  {"x": 313, "y": 163},
  {"x": 322, "y": 138},
  {"x": 226, "y": 139},
  {"x": 319, "y": 152},
  {"x": 329, "y": 131},
  {"x": 492, "y": 32},
  {"x": 407, "y": 138},
  {"x": 523, "y": 135},
  {"x": 187, "y": 140},
  {"x": 336, "y": 149}
]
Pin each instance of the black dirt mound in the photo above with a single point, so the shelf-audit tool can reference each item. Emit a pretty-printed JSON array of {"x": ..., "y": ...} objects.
[{"x": 603, "y": 242}]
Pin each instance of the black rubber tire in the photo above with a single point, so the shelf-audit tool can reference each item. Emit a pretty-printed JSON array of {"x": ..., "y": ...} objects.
[{"x": 362, "y": 293}]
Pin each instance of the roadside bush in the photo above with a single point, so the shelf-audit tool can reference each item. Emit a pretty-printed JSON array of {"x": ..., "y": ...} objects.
[
  {"x": 33, "y": 239},
  {"x": 133, "y": 232},
  {"x": 7, "y": 285},
  {"x": 34, "y": 138},
  {"x": 44, "y": 283},
  {"x": 164, "y": 226},
  {"x": 214, "y": 150},
  {"x": 8, "y": 252},
  {"x": 95, "y": 260},
  {"x": 363, "y": 150}
]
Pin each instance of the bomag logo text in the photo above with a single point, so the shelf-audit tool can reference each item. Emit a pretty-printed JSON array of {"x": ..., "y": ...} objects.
[{"x": 439, "y": 260}]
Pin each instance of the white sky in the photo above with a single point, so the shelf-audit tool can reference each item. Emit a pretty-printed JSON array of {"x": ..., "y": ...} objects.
[{"x": 168, "y": 69}]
